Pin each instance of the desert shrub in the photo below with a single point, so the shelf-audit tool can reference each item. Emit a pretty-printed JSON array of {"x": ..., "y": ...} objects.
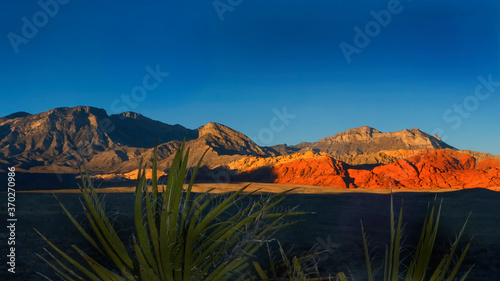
[
  {"x": 418, "y": 269},
  {"x": 282, "y": 267},
  {"x": 178, "y": 236}
]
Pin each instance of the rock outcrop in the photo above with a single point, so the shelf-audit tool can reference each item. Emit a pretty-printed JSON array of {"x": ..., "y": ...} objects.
[
  {"x": 226, "y": 141},
  {"x": 422, "y": 169},
  {"x": 427, "y": 170},
  {"x": 365, "y": 140},
  {"x": 322, "y": 171},
  {"x": 58, "y": 140}
]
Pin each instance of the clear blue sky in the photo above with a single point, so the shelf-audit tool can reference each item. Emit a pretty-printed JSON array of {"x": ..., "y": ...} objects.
[{"x": 235, "y": 64}]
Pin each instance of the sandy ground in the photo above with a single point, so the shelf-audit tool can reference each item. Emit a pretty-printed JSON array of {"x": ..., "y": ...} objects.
[
  {"x": 333, "y": 227},
  {"x": 254, "y": 187}
]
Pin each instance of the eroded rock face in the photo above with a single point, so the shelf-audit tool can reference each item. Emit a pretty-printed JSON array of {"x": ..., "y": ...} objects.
[
  {"x": 365, "y": 140},
  {"x": 488, "y": 164},
  {"x": 56, "y": 141},
  {"x": 323, "y": 171},
  {"x": 431, "y": 169},
  {"x": 226, "y": 141},
  {"x": 60, "y": 135},
  {"x": 427, "y": 169}
]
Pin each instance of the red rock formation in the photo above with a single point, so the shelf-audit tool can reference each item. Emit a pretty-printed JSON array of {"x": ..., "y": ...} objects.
[
  {"x": 431, "y": 169},
  {"x": 488, "y": 164},
  {"x": 323, "y": 171}
]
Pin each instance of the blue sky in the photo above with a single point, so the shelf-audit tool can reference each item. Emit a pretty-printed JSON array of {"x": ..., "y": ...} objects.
[{"x": 243, "y": 63}]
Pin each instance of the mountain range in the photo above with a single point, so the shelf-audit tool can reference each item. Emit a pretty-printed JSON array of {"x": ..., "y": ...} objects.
[{"x": 57, "y": 141}]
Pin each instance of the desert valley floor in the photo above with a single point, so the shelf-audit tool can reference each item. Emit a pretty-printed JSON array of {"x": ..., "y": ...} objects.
[{"x": 333, "y": 227}]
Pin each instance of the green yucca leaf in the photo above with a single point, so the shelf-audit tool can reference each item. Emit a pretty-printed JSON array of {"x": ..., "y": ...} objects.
[
  {"x": 173, "y": 213},
  {"x": 146, "y": 271},
  {"x": 260, "y": 271},
  {"x": 79, "y": 227},
  {"x": 391, "y": 244},
  {"x": 459, "y": 263},
  {"x": 387, "y": 265},
  {"x": 367, "y": 254},
  {"x": 70, "y": 260},
  {"x": 215, "y": 212},
  {"x": 341, "y": 277},
  {"x": 439, "y": 269},
  {"x": 397, "y": 247},
  {"x": 142, "y": 234},
  {"x": 186, "y": 208},
  {"x": 100, "y": 270},
  {"x": 440, "y": 275},
  {"x": 455, "y": 245},
  {"x": 197, "y": 231},
  {"x": 293, "y": 269},
  {"x": 177, "y": 237},
  {"x": 218, "y": 273},
  {"x": 104, "y": 242},
  {"x": 154, "y": 181},
  {"x": 153, "y": 235},
  {"x": 420, "y": 262},
  {"x": 220, "y": 237},
  {"x": 466, "y": 273},
  {"x": 102, "y": 222},
  {"x": 62, "y": 265}
]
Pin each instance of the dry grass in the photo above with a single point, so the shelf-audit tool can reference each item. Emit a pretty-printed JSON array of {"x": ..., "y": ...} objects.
[{"x": 260, "y": 187}]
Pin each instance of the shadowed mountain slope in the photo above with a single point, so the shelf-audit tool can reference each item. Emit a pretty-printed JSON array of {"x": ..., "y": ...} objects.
[
  {"x": 366, "y": 140},
  {"x": 60, "y": 140}
]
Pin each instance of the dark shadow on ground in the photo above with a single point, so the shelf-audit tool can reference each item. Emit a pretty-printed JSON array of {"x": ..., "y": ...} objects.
[{"x": 333, "y": 226}]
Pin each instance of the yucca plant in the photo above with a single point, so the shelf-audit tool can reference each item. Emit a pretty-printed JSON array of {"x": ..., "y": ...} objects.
[
  {"x": 296, "y": 269},
  {"x": 286, "y": 269},
  {"x": 179, "y": 236},
  {"x": 418, "y": 270}
]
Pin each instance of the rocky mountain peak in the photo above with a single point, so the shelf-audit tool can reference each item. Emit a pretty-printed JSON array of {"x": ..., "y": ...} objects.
[
  {"x": 225, "y": 140},
  {"x": 414, "y": 131},
  {"x": 77, "y": 110},
  {"x": 15, "y": 115},
  {"x": 54, "y": 135},
  {"x": 366, "y": 140},
  {"x": 217, "y": 129},
  {"x": 130, "y": 114},
  {"x": 116, "y": 141},
  {"x": 362, "y": 132}
]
